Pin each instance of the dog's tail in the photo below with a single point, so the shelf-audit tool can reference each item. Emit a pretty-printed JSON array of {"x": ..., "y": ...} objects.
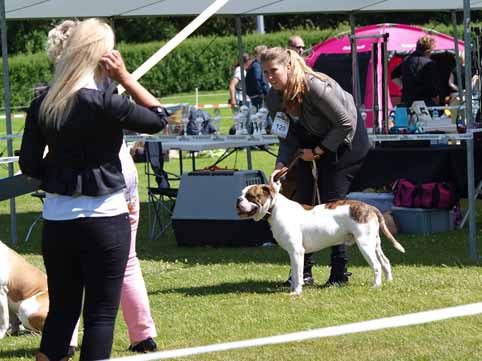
[{"x": 386, "y": 231}]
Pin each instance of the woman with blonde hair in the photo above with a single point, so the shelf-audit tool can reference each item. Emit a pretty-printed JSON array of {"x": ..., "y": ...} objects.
[
  {"x": 86, "y": 233},
  {"x": 320, "y": 121},
  {"x": 134, "y": 299}
]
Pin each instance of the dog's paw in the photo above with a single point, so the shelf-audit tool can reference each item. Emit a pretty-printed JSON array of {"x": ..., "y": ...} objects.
[{"x": 296, "y": 291}]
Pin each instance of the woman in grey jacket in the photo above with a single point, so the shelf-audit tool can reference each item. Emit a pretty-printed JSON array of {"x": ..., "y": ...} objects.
[{"x": 315, "y": 116}]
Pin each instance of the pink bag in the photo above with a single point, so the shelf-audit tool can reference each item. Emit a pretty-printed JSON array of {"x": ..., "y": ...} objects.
[{"x": 409, "y": 194}]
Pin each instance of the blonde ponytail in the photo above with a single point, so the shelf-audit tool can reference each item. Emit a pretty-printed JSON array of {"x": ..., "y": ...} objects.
[{"x": 297, "y": 84}]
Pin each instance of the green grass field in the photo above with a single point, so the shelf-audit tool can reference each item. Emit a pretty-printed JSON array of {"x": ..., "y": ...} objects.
[{"x": 207, "y": 295}]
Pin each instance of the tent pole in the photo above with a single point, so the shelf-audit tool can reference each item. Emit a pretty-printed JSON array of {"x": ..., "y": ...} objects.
[
  {"x": 458, "y": 67},
  {"x": 385, "y": 84},
  {"x": 470, "y": 125},
  {"x": 375, "y": 105},
  {"x": 243, "y": 84},
  {"x": 468, "y": 66},
  {"x": 241, "y": 61},
  {"x": 354, "y": 64},
  {"x": 8, "y": 117}
]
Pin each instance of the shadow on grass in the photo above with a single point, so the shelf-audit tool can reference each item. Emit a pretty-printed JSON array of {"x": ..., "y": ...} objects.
[
  {"x": 450, "y": 248},
  {"x": 22, "y": 352},
  {"x": 24, "y": 220},
  {"x": 252, "y": 286}
]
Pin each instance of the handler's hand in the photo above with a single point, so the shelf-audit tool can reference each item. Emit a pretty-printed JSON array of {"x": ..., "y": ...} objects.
[
  {"x": 282, "y": 170},
  {"x": 308, "y": 155},
  {"x": 114, "y": 66}
]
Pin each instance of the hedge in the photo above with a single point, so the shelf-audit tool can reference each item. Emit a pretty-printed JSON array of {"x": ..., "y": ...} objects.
[{"x": 203, "y": 62}]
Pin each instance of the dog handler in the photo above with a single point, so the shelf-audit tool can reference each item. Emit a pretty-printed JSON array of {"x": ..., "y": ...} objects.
[
  {"x": 86, "y": 233},
  {"x": 313, "y": 115}
]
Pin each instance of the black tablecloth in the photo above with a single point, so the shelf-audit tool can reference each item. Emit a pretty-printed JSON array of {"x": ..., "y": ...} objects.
[{"x": 384, "y": 164}]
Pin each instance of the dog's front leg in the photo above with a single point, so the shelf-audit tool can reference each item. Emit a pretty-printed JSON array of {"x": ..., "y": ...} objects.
[
  {"x": 297, "y": 261},
  {"x": 14, "y": 323},
  {"x": 4, "y": 316}
]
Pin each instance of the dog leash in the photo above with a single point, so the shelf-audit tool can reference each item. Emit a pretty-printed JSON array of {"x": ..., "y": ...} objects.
[
  {"x": 314, "y": 171},
  {"x": 285, "y": 171},
  {"x": 316, "y": 191}
]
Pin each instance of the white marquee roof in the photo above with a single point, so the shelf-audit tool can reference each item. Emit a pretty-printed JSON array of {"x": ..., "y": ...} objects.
[{"x": 30, "y": 9}]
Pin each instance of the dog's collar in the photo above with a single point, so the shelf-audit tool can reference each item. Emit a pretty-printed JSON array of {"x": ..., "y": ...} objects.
[{"x": 271, "y": 206}]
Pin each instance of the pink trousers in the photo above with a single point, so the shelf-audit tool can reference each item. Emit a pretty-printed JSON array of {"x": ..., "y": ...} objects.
[{"x": 134, "y": 300}]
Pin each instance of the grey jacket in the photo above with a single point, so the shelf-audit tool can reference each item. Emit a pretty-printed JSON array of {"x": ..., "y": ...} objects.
[{"x": 327, "y": 112}]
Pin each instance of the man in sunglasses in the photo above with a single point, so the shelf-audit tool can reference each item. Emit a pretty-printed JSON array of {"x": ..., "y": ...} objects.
[{"x": 297, "y": 44}]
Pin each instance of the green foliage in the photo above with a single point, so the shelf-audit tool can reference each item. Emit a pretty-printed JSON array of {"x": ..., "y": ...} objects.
[
  {"x": 203, "y": 62},
  {"x": 25, "y": 71}
]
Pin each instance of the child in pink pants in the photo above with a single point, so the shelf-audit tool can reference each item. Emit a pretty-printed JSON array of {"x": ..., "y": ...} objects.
[{"x": 134, "y": 300}]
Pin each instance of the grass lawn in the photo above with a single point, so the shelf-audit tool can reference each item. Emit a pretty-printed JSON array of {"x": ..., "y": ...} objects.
[{"x": 207, "y": 295}]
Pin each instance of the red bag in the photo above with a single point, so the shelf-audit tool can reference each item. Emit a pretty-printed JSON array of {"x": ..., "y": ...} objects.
[{"x": 409, "y": 194}]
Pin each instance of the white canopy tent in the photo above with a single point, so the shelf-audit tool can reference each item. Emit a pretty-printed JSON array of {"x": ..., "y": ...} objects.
[
  {"x": 38, "y": 9},
  {"x": 34, "y": 9}
]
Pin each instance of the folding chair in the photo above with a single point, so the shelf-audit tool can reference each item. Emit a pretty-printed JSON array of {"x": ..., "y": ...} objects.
[{"x": 161, "y": 196}]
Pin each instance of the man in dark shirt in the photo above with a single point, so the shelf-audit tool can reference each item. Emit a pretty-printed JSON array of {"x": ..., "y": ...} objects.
[
  {"x": 418, "y": 73},
  {"x": 256, "y": 85}
]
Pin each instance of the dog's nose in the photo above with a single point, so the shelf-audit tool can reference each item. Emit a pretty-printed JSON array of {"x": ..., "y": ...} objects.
[{"x": 239, "y": 200}]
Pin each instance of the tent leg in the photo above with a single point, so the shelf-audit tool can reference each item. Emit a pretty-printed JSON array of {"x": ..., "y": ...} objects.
[
  {"x": 470, "y": 125},
  {"x": 458, "y": 67},
  {"x": 8, "y": 117},
  {"x": 354, "y": 62}
]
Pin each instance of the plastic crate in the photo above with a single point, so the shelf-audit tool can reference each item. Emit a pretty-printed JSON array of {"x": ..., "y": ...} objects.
[
  {"x": 423, "y": 221},
  {"x": 205, "y": 210},
  {"x": 383, "y": 201}
]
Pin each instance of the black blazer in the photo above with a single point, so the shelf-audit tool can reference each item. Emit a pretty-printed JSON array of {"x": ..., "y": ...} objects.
[{"x": 83, "y": 152}]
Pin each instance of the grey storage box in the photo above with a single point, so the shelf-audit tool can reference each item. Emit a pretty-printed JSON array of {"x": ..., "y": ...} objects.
[
  {"x": 423, "y": 221},
  {"x": 383, "y": 201},
  {"x": 205, "y": 210}
]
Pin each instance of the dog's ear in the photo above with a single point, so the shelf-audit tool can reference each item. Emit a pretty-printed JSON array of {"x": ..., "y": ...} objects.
[
  {"x": 276, "y": 185},
  {"x": 269, "y": 190}
]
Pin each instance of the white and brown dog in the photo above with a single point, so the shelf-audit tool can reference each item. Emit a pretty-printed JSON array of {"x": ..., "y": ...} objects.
[
  {"x": 23, "y": 294},
  {"x": 298, "y": 230}
]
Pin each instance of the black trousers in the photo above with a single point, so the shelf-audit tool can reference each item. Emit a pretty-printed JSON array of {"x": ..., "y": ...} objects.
[
  {"x": 334, "y": 181},
  {"x": 84, "y": 254}
]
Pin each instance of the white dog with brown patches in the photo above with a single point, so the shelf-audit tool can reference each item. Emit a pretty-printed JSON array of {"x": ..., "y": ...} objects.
[
  {"x": 298, "y": 230},
  {"x": 23, "y": 294}
]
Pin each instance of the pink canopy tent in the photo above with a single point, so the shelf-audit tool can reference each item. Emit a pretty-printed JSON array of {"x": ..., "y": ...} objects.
[{"x": 333, "y": 57}]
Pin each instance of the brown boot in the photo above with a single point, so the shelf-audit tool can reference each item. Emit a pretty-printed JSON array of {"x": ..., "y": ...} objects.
[{"x": 41, "y": 357}]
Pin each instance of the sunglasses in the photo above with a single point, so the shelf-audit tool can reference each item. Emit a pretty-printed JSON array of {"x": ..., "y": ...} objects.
[{"x": 300, "y": 47}]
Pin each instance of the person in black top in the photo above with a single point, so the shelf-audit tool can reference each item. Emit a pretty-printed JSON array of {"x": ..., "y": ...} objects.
[
  {"x": 256, "y": 85},
  {"x": 418, "y": 74},
  {"x": 86, "y": 232}
]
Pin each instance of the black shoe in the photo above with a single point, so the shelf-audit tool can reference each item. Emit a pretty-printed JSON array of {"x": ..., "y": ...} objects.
[
  {"x": 337, "y": 281},
  {"x": 308, "y": 280},
  {"x": 71, "y": 352},
  {"x": 148, "y": 345}
]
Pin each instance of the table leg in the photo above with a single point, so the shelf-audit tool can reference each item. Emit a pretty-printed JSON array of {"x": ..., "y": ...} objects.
[{"x": 471, "y": 197}]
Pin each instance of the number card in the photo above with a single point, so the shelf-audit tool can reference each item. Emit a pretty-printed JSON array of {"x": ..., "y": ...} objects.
[{"x": 281, "y": 125}]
